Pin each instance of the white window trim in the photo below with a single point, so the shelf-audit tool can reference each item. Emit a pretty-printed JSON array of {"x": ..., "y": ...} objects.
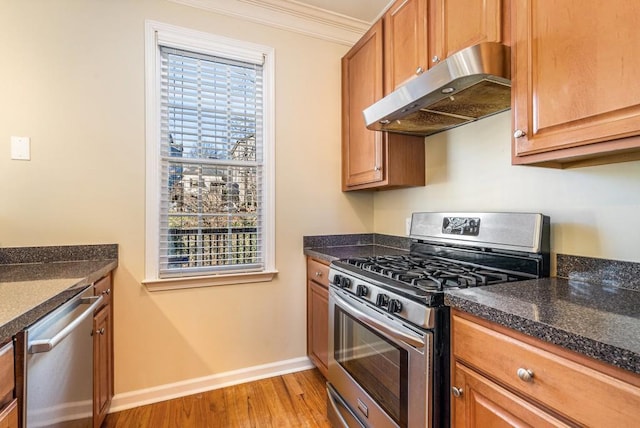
[{"x": 188, "y": 39}]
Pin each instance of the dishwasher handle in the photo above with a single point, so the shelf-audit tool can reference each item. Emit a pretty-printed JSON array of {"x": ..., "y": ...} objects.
[{"x": 46, "y": 345}]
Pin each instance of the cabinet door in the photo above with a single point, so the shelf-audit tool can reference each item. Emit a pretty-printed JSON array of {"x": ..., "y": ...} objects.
[
  {"x": 576, "y": 80},
  {"x": 458, "y": 24},
  {"x": 102, "y": 287},
  {"x": 318, "y": 325},
  {"x": 405, "y": 42},
  {"x": 361, "y": 86},
  {"x": 481, "y": 403},
  {"x": 7, "y": 379},
  {"x": 9, "y": 415},
  {"x": 102, "y": 364}
]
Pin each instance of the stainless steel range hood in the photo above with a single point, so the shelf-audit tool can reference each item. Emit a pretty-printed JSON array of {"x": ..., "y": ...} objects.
[{"x": 469, "y": 85}]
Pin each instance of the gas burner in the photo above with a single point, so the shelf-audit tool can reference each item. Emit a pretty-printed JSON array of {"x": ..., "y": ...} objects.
[{"x": 430, "y": 273}]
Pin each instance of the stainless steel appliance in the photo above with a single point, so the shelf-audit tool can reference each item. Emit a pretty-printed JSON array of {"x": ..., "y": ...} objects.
[
  {"x": 467, "y": 86},
  {"x": 389, "y": 328},
  {"x": 59, "y": 366}
]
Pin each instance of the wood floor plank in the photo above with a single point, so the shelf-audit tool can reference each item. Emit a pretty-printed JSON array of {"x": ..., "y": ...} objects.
[
  {"x": 213, "y": 409},
  {"x": 292, "y": 384},
  {"x": 280, "y": 405},
  {"x": 315, "y": 397},
  {"x": 289, "y": 401}
]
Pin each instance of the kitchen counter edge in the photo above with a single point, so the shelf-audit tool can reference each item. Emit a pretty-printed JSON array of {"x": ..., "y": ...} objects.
[
  {"x": 591, "y": 327},
  {"x": 92, "y": 270}
]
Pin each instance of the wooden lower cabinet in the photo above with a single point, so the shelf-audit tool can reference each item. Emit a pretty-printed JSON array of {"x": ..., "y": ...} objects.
[
  {"x": 8, "y": 402},
  {"x": 504, "y": 378},
  {"x": 318, "y": 314},
  {"x": 483, "y": 403},
  {"x": 9, "y": 415},
  {"x": 102, "y": 352}
]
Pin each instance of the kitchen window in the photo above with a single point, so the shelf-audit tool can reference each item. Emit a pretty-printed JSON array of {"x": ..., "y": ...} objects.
[{"x": 210, "y": 192}]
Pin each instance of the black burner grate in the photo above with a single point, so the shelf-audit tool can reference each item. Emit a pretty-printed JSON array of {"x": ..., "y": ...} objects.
[{"x": 431, "y": 273}]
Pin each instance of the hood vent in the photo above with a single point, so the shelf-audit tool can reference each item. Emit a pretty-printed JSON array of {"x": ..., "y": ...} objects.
[{"x": 469, "y": 85}]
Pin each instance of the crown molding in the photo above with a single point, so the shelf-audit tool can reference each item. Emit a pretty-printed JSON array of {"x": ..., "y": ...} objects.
[{"x": 289, "y": 15}]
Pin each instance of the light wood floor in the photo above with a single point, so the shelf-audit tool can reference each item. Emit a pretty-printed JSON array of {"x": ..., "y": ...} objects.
[{"x": 292, "y": 400}]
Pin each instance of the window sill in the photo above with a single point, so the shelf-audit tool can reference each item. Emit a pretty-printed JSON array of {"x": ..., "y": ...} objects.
[{"x": 208, "y": 281}]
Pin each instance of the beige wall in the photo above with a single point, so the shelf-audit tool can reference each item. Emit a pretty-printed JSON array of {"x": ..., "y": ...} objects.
[
  {"x": 594, "y": 211},
  {"x": 72, "y": 79}
]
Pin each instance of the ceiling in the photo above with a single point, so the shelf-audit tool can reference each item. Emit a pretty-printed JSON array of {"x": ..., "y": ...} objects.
[{"x": 364, "y": 10}]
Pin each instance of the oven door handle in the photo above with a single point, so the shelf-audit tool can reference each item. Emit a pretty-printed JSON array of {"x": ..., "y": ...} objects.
[{"x": 410, "y": 339}]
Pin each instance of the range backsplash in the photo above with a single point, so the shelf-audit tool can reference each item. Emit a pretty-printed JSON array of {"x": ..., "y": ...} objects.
[{"x": 611, "y": 273}]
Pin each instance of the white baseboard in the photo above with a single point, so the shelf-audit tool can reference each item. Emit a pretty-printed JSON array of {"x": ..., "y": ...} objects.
[{"x": 141, "y": 397}]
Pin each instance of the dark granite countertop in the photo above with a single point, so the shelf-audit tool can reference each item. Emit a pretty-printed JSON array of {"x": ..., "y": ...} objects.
[
  {"x": 593, "y": 319},
  {"x": 335, "y": 247},
  {"x": 350, "y": 251},
  {"x": 30, "y": 289}
]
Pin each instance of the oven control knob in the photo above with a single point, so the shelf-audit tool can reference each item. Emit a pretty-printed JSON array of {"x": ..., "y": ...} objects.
[
  {"x": 382, "y": 300},
  {"x": 336, "y": 280},
  {"x": 345, "y": 282},
  {"x": 394, "y": 306},
  {"x": 362, "y": 290}
]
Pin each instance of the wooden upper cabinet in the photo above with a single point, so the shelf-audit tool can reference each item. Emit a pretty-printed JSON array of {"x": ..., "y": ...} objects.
[
  {"x": 371, "y": 159},
  {"x": 420, "y": 33},
  {"x": 405, "y": 42},
  {"x": 576, "y": 82},
  {"x": 458, "y": 24},
  {"x": 361, "y": 87}
]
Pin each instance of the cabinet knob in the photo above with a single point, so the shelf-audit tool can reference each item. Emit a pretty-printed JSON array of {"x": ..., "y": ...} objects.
[
  {"x": 107, "y": 291},
  {"x": 419, "y": 70},
  {"x": 519, "y": 133},
  {"x": 525, "y": 375},
  {"x": 100, "y": 331},
  {"x": 457, "y": 392},
  {"x": 376, "y": 168},
  {"x": 318, "y": 274},
  {"x": 435, "y": 59}
]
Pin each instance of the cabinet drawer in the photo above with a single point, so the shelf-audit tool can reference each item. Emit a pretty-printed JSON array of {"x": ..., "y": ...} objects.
[
  {"x": 581, "y": 393},
  {"x": 486, "y": 404},
  {"x": 318, "y": 272},
  {"x": 7, "y": 381},
  {"x": 9, "y": 415},
  {"x": 103, "y": 287}
]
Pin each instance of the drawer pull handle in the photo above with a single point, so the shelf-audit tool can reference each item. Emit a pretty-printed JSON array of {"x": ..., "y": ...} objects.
[
  {"x": 457, "y": 392},
  {"x": 525, "y": 375}
]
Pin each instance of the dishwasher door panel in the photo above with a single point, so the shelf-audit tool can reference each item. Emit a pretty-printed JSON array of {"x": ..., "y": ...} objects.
[{"x": 59, "y": 381}]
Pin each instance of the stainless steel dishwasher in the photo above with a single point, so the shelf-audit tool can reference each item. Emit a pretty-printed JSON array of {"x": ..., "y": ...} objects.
[{"x": 59, "y": 366}]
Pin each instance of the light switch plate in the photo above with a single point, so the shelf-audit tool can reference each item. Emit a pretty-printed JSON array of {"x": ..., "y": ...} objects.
[{"x": 21, "y": 148}]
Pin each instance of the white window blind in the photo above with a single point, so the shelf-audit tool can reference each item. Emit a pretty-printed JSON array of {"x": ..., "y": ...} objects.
[{"x": 212, "y": 165}]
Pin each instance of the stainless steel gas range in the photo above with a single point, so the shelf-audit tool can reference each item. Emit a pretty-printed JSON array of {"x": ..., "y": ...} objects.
[{"x": 389, "y": 328}]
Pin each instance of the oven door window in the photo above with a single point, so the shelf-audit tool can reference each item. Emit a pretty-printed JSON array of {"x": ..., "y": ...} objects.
[{"x": 377, "y": 364}]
